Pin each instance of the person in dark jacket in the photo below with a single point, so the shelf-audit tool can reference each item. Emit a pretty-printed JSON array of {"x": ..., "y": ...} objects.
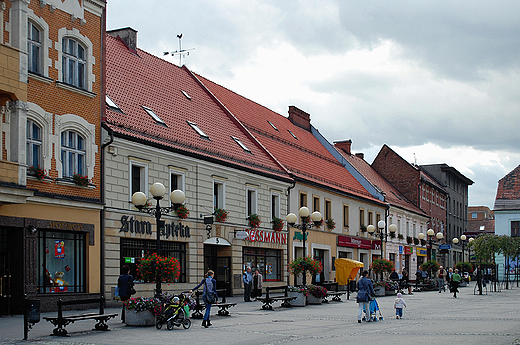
[
  {"x": 365, "y": 289},
  {"x": 210, "y": 286},
  {"x": 125, "y": 282}
]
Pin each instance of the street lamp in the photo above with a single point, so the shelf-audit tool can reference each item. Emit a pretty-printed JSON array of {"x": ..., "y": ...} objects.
[
  {"x": 305, "y": 225},
  {"x": 139, "y": 200},
  {"x": 470, "y": 241},
  {"x": 462, "y": 242},
  {"x": 430, "y": 234},
  {"x": 383, "y": 235}
]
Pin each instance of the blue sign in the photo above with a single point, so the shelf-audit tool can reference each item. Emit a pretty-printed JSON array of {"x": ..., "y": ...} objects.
[
  {"x": 445, "y": 246},
  {"x": 401, "y": 251}
]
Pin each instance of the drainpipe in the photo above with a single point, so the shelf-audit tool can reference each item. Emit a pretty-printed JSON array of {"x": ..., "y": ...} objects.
[{"x": 288, "y": 211}]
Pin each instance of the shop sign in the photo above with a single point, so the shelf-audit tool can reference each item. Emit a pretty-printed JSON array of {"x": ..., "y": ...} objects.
[
  {"x": 401, "y": 250},
  {"x": 129, "y": 224},
  {"x": 267, "y": 236},
  {"x": 376, "y": 245},
  {"x": 346, "y": 241},
  {"x": 445, "y": 246},
  {"x": 422, "y": 252},
  {"x": 298, "y": 236},
  {"x": 66, "y": 226},
  {"x": 408, "y": 250}
]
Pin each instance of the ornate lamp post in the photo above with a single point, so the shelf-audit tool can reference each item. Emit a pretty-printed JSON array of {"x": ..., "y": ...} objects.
[
  {"x": 383, "y": 235},
  {"x": 470, "y": 241},
  {"x": 462, "y": 242},
  {"x": 139, "y": 200},
  {"x": 430, "y": 234},
  {"x": 305, "y": 225}
]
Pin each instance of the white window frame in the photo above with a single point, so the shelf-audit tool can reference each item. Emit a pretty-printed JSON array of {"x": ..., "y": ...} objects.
[
  {"x": 90, "y": 60},
  {"x": 143, "y": 165},
  {"x": 45, "y": 42},
  {"x": 277, "y": 204},
  {"x": 31, "y": 143},
  {"x": 181, "y": 175},
  {"x": 76, "y": 152},
  {"x": 254, "y": 202},
  {"x": 75, "y": 75},
  {"x": 221, "y": 185}
]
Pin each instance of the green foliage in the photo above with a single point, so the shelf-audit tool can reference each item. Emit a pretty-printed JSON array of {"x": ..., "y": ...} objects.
[
  {"x": 430, "y": 266},
  {"x": 220, "y": 214},
  {"x": 464, "y": 267},
  {"x": 317, "y": 291},
  {"x": 277, "y": 224},
  {"x": 182, "y": 211},
  {"x": 310, "y": 265},
  {"x": 168, "y": 266},
  {"x": 254, "y": 220},
  {"x": 381, "y": 265},
  {"x": 144, "y": 303},
  {"x": 331, "y": 225}
]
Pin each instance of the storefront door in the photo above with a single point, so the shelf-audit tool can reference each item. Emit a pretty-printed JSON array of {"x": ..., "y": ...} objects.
[
  {"x": 221, "y": 265},
  {"x": 319, "y": 255}
]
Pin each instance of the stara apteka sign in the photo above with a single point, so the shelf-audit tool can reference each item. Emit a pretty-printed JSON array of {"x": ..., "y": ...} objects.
[
  {"x": 266, "y": 236},
  {"x": 129, "y": 224}
]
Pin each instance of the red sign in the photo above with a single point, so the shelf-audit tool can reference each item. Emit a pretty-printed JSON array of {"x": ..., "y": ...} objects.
[
  {"x": 408, "y": 250},
  {"x": 346, "y": 241},
  {"x": 376, "y": 245},
  {"x": 59, "y": 249}
]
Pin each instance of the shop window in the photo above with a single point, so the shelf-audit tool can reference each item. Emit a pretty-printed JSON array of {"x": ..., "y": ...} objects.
[
  {"x": 34, "y": 48},
  {"x": 34, "y": 144},
  {"x": 267, "y": 261},
  {"x": 131, "y": 251},
  {"x": 72, "y": 153},
  {"x": 61, "y": 261}
]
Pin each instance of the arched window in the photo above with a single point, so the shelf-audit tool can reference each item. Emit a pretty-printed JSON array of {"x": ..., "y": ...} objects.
[
  {"x": 73, "y": 63},
  {"x": 72, "y": 154},
  {"x": 34, "y": 48},
  {"x": 34, "y": 144}
]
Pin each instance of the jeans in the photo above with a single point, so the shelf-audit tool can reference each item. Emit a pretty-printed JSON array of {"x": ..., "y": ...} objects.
[
  {"x": 208, "y": 310},
  {"x": 440, "y": 282},
  {"x": 367, "y": 308},
  {"x": 399, "y": 312},
  {"x": 247, "y": 292}
]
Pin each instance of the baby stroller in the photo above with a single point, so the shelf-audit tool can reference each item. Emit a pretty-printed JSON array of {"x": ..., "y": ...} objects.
[
  {"x": 175, "y": 312},
  {"x": 372, "y": 313}
]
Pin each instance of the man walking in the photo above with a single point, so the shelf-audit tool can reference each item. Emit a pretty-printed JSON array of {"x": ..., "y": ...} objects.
[
  {"x": 247, "y": 278},
  {"x": 440, "y": 278}
]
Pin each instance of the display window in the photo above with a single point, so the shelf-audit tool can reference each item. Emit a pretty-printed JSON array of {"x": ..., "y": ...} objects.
[
  {"x": 61, "y": 261},
  {"x": 267, "y": 261},
  {"x": 132, "y": 250}
]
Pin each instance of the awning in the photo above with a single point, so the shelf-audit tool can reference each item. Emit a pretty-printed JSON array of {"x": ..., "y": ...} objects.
[
  {"x": 217, "y": 241},
  {"x": 345, "y": 269}
]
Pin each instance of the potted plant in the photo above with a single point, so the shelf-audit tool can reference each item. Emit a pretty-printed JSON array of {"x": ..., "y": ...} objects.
[
  {"x": 400, "y": 237},
  {"x": 277, "y": 224},
  {"x": 141, "y": 311},
  {"x": 431, "y": 267},
  {"x": 37, "y": 172},
  {"x": 300, "y": 292},
  {"x": 409, "y": 239},
  {"x": 392, "y": 234},
  {"x": 380, "y": 266},
  {"x": 379, "y": 288},
  {"x": 182, "y": 211},
  {"x": 80, "y": 180},
  {"x": 363, "y": 228},
  {"x": 331, "y": 225},
  {"x": 168, "y": 266},
  {"x": 220, "y": 214},
  {"x": 415, "y": 241},
  {"x": 296, "y": 267},
  {"x": 423, "y": 242},
  {"x": 391, "y": 287},
  {"x": 254, "y": 220},
  {"x": 316, "y": 294}
]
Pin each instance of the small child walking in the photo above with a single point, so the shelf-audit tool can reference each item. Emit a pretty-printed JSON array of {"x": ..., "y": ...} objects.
[{"x": 399, "y": 304}]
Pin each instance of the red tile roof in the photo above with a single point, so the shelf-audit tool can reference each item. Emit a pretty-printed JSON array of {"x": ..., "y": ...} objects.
[
  {"x": 392, "y": 195},
  {"x": 137, "y": 80},
  {"x": 509, "y": 186},
  {"x": 305, "y": 157}
]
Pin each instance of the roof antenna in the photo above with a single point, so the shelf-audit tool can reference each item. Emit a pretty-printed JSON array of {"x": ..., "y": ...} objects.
[{"x": 181, "y": 52}]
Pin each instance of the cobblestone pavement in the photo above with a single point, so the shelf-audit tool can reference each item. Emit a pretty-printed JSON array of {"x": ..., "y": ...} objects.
[{"x": 430, "y": 318}]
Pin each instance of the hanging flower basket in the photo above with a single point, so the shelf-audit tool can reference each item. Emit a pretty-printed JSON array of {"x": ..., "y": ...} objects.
[
  {"x": 169, "y": 267},
  {"x": 220, "y": 215},
  {"x": 80, "y": 180},
  {"x": 182, "y": 211},
  {"x": 37, "y": 172},
  {"x": 254, "y": 221},
  {"x": 416, "y": 241},
  {"x": 331, "y": 225},
  {"x": 409, "y": 239},
  {"x": 277, "y": 224},
  {"x": 400, "y": 237},
  {"x": 310, "y": 265}
]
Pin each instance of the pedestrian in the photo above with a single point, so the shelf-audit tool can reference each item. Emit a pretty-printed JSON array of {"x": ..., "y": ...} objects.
[
  {"x": 365, "y": 293},
  {"x": 399, "y": 304},
  {"x": 450, "y": 273},
  {"x": 125, "y": 282},
  {"x": 247, "y": 278},
  {"x": 406, "y": 282},
  {"x": 394, "y": 276},
  {"x": 209, "y": 295},
  {"x": 455, "y": 280},
  {"x": 441, "y": 276},
  {"x": 257, "y": 284}
]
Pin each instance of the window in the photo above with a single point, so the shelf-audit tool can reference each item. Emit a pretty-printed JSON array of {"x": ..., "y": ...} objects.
[
  {"x": 328, "y": 209},
  {"x": 73, "y": 63},
  {"x": 275, "y": 205},
  {"x": 218, "y": 195},
  {"x": 361, "y": 217},
  {"x": 137, "y": 179},
  {"x": 370, "y": 218},
  {"x": 378, "y": 217},
  {"x": 294, "y": 136},
  {"x": 176, "y": 181},
  {"x": 153, "y": 115},
  {"x": 186, "y": 95},
  {"x": 198, "y": 130},
  {"x": 241, "y": 144},
  {"x": 345, "y": 216},
  {"x": 272, "y": 125},
  {"x": 34, "y": 48},
  {"x": 303, "y": 199},
  {"x": 111, "y": 103},
  {"x": 473, "y": 215},
  {"x": 316, "y": 204},
  {"x": 515, "y": 228},
  {"x": 267, "y": 261},
  {"x": 62, "y": 261},
  {"x": 72, "y": 154},
  {"x": 131, "y": 251},
  {"x": 251, "y": 202},
  {"x": 34, "y": 144}
]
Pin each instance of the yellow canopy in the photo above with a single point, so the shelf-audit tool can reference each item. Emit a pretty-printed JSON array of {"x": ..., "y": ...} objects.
[{"x": 345, "y": 269}]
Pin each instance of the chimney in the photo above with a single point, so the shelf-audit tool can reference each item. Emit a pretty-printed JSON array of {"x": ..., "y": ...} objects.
[
  {"x": 343, "y": 145},
  {"x": 127, "y": 35},
  {"x": 360, "y": 155},
  {"x": 299, "y": 118}
]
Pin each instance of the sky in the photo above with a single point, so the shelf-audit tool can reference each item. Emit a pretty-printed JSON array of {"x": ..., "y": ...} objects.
[{"x": 437, "y": 81}]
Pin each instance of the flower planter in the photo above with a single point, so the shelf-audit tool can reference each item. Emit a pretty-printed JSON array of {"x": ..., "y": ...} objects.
[
  {"x": 390, "y": 293},
  {"x": 139, "y": 318},
  {"x": 311, "y": 299},
  {"x": 300, "y": 299},
  {"x": 379, "y": 291}
]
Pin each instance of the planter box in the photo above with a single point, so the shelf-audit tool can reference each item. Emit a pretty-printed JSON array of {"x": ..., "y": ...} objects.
[
  {"x": 140, "y": 318},
  {"x": 300, "y": 299},
  {"x": 311, "y": 299},
  {"x": 379, "y": 291},
  {"x": 390, "y": 293}
]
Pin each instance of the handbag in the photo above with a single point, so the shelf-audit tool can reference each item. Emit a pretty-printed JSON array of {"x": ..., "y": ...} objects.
[{"x": 131, "y": 289}]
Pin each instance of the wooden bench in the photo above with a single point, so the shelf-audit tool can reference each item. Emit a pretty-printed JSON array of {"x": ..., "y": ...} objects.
[
  {"x": 332, "y": 291},
  {"x": 223, "y": 306},
  {"x": 62, "y": 321},
  {"x": 269, "y": 299}
]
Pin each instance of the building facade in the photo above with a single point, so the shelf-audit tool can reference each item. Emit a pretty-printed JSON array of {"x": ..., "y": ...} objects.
[{"x": 50, "y": 235}]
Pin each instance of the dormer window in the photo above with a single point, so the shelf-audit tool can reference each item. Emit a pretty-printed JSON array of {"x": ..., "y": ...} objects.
[
  {"x": 241, "y": 144},
  {"x": 292, "y": 134},
  {"x": 198, "y": 130},
  {"x": 154, "y": 115},
  {"x": 186, "y": 95},
  {"x": 272, "y": 125},
  {"x": 111, "y": 103}
]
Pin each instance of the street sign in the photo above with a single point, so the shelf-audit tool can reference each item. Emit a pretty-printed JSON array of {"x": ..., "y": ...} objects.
[{"x": 445, "y": 246}]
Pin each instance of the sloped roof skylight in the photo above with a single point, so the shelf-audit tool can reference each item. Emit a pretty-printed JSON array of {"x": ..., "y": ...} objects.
[
  {"x": 241, "y": 144},
  {"x": 198, "y": 130},
  {"x": 111, "y": 103},
  {"x": 186, "y": 95},
  {"x": 292, "y": 134},
  {"x": 153, "y": 115},
  {"x": 272, "y": 125}
]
